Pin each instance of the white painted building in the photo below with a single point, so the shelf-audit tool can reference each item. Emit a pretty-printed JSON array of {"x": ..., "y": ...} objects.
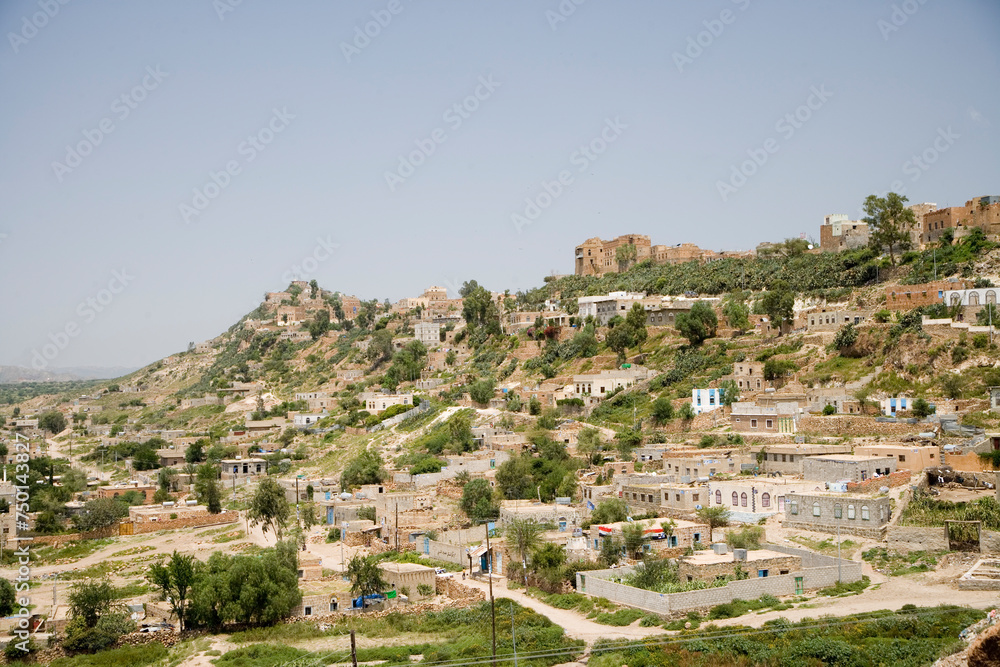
[{"x": 706, "y": 400}]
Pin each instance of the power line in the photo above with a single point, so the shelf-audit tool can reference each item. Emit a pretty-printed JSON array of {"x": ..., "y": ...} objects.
[{"x": 666, "y": 640}]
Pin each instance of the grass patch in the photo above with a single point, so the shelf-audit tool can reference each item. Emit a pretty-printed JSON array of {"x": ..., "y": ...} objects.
[
  {"x": 741, "y": 607},
  {"x": 73, "y": 550},
  {"x": 840, "y": 589},
  {"x": 911, "y": 638},
  {"x": 619, "y": 618},
  {"x": 896, "y": 564},
  {"x": 126, "y": 656},
  {"x": 826, "y": 547},
  {"x": 261, "y": 655}
]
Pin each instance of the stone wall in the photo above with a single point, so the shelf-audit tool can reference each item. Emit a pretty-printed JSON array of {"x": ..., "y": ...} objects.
[
  {"x": 818, "y": 572},
  {"x": 456, "y": 590},
  {"x": 190, "y": 522},
  {"x": 854, "y": 426},
  {"x": 712, "y": 571},
  {"x": 905, "y": 539},
  {"x": 449, "y": 553}
]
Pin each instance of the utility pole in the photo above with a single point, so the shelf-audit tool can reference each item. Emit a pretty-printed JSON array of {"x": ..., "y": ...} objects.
[
  {"x": 354, "y": 651},
  {"x": 489, "y": 577},
  {"x": 397, "y": 526}
]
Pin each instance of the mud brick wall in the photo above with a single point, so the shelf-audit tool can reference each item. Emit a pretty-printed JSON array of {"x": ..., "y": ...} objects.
[{"x": 190, "y": 522}]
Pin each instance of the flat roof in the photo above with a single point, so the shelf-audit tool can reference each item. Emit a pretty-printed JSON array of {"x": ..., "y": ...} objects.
[
  {"x": 709, "y": 557},
  {"x": 405, "y": 567},
  {"x": 848, "y": 458}
]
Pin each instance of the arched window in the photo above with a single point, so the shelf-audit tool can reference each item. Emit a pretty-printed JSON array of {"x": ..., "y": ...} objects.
[
  {"x": 736, "y": 499},
  {"x": 850, "y": 511},
  {"x": 991, "y": 296},
  {"x": 718, "y": 497},
  {"x": 816, "y": 509},
  {"x": 793, "y": 506},
  {"x": 743, "y": 499},
  {"x": 838, "y": 511},
  {"x": 765, "y": 500},
  {"x": 956, "y": 300},
  {"x": 864, "y": 513},
  {"x": 973, "y": 298}
]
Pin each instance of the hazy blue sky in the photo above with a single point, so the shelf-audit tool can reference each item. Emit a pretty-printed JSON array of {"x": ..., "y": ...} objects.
[{"x": 115, "y": 113}]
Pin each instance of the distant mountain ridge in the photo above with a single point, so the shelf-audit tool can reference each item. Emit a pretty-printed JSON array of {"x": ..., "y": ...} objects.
[{"x": 15, "y": 374}]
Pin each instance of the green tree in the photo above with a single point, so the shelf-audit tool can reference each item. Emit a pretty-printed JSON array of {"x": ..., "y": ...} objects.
[
  {"x": 460, "y": 432},
  {"x": 620, "y": 339},
  {"x": 379, "y": 347},
  {"x": 921, "y": 408},
  {"x": 716, "y": 516},
  {"x": 523, "y": 536},
  {"x": 477, "y": 501},
  {"x": 686, "y": 412},
  {"x": 889, "y": 223},
  {"x": 97, "y": 621},
  {"x": 736, "y": 311},
  {"x": 7, "y": 598},
  {"x": 778, "y": 304},
  {"x": 52, "y": 421},
  {"x": 269, "y": 507},
  {"x": 320, "y": 323},
  {"x": 987, "y": 315},
  {"x": 195, "y": 453},
  {"x": 635, "y": 321},
  {"x": 846, "y": 337},
  {"x": 589, "y": 441},
  {"x": 174, "y": 580},
  {"x": 663, "y": 409},
  {"x": 365, "y": 576},
  {"x": 698, "y": 324},
  {"x": 514, "y": 479},
  {"x": 633, "y": 538},
  {"x": 365, "y": 468},
  {"x": 207, "y": 486},
  {"x": 612, "y": 510},
  {"x": 407, "y": 364},
  {"x": 100, "y": 513},
  {"x": 482, "y": 390},
  {"x": 611, "y": 549},
  {"x": 730, "y": 392}
]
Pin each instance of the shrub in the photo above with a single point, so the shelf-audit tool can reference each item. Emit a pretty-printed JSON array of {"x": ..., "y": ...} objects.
[
  {"x": 829, "y": 410},
  {"x": 747, "y": 537},
  {"x": 425, "y": 589}
]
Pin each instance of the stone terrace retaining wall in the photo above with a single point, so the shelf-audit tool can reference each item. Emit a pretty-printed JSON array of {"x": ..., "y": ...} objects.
[
  {"x": 855, "y": 425},
  {"x": 190, "y": 522}
]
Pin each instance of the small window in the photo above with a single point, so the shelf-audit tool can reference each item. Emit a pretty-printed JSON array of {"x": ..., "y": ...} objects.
[
  {"x": 902, "y": 457},
  {"x": 769, "y": 423},
  {"x": 850, "y": 511},
  {"x": 694, "y": 497},
  {"x": 736, "y": 499},
  {"x": 838, "y": 511},
  {"x": 765, "y": 500},
  {"x": 718, "y": 497},
  {"x": 308, "y": 611},
  {"x": 816, "y": 511},
  {"x": 743, "y": 499},
  {"x": 753, "y": 423},
  {"x": 864, "y": 513},
  {"x": 761, "y": 573},
  {"x": 793, "y": 507}
]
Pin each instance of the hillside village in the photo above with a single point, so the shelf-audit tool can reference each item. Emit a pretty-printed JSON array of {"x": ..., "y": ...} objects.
[{"x": 666, "y": 438}]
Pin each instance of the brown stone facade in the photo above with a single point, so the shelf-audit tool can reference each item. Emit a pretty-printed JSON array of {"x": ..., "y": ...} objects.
[{"x": 777, "y": 565}]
